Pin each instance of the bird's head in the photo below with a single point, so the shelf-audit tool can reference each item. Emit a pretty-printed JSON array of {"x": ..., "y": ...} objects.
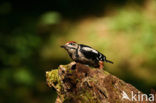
[{"x": 70, "y": 46}]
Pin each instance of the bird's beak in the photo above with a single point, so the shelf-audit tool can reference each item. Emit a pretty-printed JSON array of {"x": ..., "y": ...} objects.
[{"x": 62, "y": 46}]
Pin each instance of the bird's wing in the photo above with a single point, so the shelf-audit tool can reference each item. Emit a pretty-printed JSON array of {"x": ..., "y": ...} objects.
[{"x": 89, "y": 53}]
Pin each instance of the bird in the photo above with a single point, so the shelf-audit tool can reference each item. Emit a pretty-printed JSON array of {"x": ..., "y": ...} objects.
[{"x": 85, "y": 54}]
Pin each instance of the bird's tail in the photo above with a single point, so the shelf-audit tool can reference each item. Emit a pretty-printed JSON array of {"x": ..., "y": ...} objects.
[{"x": 109, "y": 61}]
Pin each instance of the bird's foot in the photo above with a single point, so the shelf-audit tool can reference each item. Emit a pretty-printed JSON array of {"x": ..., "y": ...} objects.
[{"x": 101, "y": 65}]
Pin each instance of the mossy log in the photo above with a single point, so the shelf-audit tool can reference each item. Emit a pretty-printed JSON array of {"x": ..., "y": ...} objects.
[{"x": 78, "y": 83}]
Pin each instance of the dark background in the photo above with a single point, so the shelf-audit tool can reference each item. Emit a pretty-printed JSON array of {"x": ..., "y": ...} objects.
[{"x": 32, "y": 31}]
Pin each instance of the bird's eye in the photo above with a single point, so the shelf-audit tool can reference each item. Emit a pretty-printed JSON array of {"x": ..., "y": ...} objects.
[{"x": 72, "y": 44}]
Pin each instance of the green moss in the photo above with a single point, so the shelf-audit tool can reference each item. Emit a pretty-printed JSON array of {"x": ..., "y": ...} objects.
[
  {"x": 54, "y": 79},
  {"x": 106, "y": 73},
  {"x": 53, "y": 75},
  {"x": 87, "y": 96},
  {"x": 84, "y": 95},
  {"x": 67, "y": 68}
]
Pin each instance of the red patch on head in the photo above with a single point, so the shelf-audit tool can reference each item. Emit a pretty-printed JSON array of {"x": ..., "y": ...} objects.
[{"x": 71, "y": 42}]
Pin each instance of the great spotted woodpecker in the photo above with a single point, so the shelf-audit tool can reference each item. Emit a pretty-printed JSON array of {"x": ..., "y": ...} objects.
[{"x": 85, "y": 54}]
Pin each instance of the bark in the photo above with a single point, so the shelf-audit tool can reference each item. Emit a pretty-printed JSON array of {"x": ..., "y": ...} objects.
[{"x": 78, "y": 83}]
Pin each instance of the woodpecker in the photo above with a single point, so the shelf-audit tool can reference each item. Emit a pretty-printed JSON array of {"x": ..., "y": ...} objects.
[{"x": 85, "y": 54}]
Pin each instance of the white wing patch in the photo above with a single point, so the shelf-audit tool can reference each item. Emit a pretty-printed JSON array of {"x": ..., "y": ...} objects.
[
  {"x": 97, "y": 58},
  {"x": 100, "y": 56},
  {"x": 90, "y": 49}
]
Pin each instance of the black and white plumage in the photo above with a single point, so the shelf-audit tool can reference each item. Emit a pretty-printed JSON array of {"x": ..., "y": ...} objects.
[{"x": 85, "y": 54}]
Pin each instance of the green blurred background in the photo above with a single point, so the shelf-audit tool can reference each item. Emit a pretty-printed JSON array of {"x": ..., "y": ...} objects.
[{"x": 31, "y": 33}]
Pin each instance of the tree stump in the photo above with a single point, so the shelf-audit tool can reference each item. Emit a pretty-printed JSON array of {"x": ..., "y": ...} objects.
[{"x": 78, "y": 83}]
